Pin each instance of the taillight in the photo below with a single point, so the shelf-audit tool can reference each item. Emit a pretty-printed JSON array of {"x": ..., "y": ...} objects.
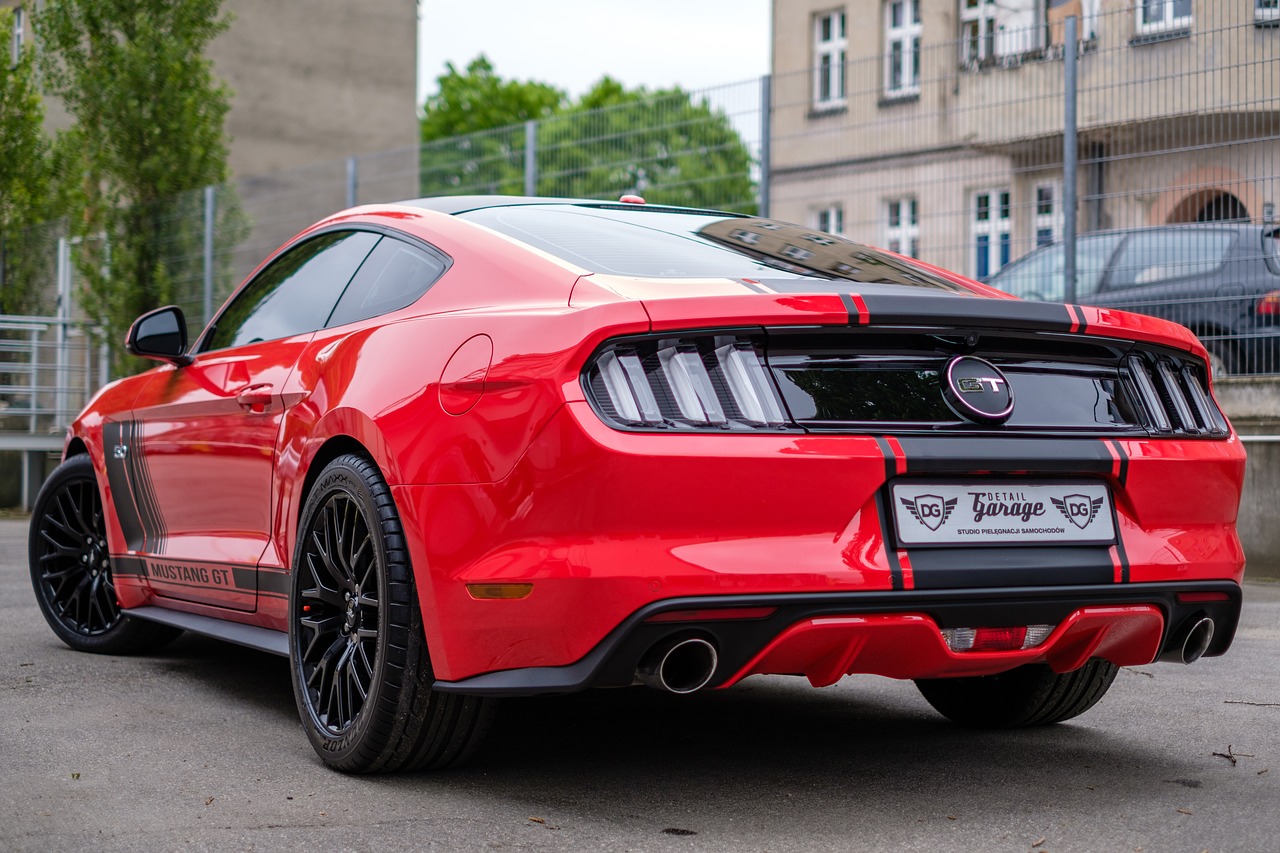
[
  {"x": 694, "y": 382},
  {"x": 1014, "y": 638},
  {"x": 1269, "y": 303}
]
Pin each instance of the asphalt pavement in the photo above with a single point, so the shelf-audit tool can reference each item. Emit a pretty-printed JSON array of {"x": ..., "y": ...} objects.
[{"x": 198, "y": 747}]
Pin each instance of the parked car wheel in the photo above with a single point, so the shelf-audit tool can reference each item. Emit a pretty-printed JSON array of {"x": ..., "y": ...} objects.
[
  {"x": 1031, "y": 695},
  {"x": 1222, "y": 360},
  {"x": 361, "y": 672},
  {"x": 71, "y": 567}
]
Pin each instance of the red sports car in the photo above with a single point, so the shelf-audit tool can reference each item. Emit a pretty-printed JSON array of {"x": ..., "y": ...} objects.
[{"x": 450, "y": 450}]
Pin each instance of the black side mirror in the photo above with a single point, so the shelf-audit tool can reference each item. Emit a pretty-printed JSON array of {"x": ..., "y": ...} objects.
[{"x": 160, "y": 334}]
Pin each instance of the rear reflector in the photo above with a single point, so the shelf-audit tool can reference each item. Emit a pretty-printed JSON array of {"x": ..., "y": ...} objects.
[
  {"x": 1193, "y": 597},
  {"x": 1008, "y": 639},
  {"x": 713, "y": 614},
  {"x": 487, "y": 591}
]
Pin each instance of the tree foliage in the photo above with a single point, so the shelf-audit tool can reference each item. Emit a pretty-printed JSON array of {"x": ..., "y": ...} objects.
[
  {"x": 149, "y": 116},
  {"x": 663, "y": 144},
  {"x": 26, "y": 182}
]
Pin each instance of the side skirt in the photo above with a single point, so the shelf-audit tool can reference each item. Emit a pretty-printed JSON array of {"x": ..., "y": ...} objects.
[{"x": 262, "y": 639}]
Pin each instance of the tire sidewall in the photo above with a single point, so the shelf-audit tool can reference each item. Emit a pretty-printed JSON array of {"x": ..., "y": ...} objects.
[{"x": 339, "y": 476}]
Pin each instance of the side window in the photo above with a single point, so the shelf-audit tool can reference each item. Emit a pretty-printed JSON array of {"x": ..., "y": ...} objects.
[
  {"x": 1155, "y": 256},
  {"x": 1041, "y": 275},
  {"x": 393, "y": 277},
  {"x": 295, "y": 294}
]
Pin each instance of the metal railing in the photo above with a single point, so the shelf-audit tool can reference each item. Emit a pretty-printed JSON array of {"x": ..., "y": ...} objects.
[{"x": 49, "y": 368}]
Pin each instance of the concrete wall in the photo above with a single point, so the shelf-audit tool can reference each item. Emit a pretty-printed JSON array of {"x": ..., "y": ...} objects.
[{"x": 1253, "y": 404}]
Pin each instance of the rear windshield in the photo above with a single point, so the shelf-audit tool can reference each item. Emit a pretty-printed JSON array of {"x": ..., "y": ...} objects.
[{"x": 676, "y": 244}]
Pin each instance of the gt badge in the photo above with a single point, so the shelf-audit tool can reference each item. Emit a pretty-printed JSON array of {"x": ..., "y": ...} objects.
[{"x": 977, "y": 390}]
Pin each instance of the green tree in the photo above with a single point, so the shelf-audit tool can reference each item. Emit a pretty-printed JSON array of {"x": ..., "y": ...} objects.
[
  {"x": 613, "y": 140},
  {"x": 149, "y": 116},
  {"x": 26, "y": 177}
]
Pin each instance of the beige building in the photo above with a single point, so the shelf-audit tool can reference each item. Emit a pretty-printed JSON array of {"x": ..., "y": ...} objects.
[
  {"x": 313, "y": 80},
  {"x": 934, "y": 127}
]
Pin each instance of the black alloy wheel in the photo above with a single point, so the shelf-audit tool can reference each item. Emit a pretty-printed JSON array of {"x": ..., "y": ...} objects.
[
  {"x": 71, "y": 567},
  {"x": 361, "y": 672}
]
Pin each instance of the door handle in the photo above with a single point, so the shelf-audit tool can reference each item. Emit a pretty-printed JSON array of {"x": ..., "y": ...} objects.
[{"x": 255, "y": 398}]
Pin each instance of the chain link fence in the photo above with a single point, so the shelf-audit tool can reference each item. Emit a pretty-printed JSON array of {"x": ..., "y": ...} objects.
[{"x": 904, "y": 130}]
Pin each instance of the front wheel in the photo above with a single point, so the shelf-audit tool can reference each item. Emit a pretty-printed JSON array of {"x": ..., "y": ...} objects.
[
  {"x": 361, "y": 673},
  {"x": 1032, "y": 695},
  {"x": 71, "y": 568}
]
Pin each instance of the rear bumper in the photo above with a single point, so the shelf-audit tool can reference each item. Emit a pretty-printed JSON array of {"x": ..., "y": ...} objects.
[{"x": 896, "y": 634}]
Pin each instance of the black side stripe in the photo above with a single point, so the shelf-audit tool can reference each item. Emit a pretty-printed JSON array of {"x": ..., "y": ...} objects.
[
  {"x": 1124, "y": 461},
  {"x": 886, "y": 529},
  {"x": 145, "y": 493},
  {"x": 1123, "y": 477},
  {"x": 122, "y": 495}
]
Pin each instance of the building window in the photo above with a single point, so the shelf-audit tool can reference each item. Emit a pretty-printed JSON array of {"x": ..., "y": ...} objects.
[
  {"x": 1005, "y": 30},
  {"x": 990, "y": 232},
  {"x": 977, "y": 30},
  {"x": 18, "y": 35},
  {"x": 1160, "y": 15},
  {"x": 902, "y": 226},
  {"x": 831, "y": 219},
  {"x": 1266, "y": 10},
  {"x": 1048, "y": 214},
  {"x": 902, "y": 47},
  {"x": 829, "y": 46}
]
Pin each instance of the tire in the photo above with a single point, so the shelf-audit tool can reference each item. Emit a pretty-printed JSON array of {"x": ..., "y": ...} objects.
[
  {"x": 360, "y": 669},
  {"x": 1222, "y": 360},
  {"x": 71, "y": 568},
  {"x": 1032, "y": 695}
]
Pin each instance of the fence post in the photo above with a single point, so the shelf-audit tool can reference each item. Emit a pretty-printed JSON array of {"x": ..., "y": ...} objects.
[
  {"x": 766, "y": 131},
  {"x": 1069, "y": 165},
  {"x": 351, "y": 182},
  {"x": 530, "y": 157},
  {"x": 210, "y": 213},
  {"x": 61, "y": 416}
]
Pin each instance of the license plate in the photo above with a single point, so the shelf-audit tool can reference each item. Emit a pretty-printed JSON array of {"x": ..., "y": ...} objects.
[{"x": 1002, "y": 513}]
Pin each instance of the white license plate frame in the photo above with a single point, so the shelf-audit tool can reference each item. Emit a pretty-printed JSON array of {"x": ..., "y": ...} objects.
[{"x": 997, "y": 513}]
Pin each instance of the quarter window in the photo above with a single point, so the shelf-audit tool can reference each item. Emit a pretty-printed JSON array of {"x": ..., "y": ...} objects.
[
  {"x": 902, "y": 47},
  {"x": 295, "y": 294},
  {"x": 902, "y": 226},
  {"x": 393, "y": 277},
  {"x": 1160, "y": 15},
  {"x": 990, "y": 231},
  {"x": 829, "y": 49},
  {"x": 1151, "y": 257}
]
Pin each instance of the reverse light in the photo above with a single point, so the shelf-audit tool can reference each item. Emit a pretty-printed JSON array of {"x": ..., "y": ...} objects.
[{"x": 1014, "y": 638}]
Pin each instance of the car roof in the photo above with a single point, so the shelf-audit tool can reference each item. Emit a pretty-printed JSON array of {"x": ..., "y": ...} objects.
[{"x": 455, "y": 204}]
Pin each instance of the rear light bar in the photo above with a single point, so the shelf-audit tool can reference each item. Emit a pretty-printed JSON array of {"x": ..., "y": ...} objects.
[
  {"x": 696, "y": 382},
  {"x": 1269, "y": 303},
  {"x": 1173, "y": 394}
]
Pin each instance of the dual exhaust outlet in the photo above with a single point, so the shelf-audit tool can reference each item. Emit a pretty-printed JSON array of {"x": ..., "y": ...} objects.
[{"x": 679, "y": 665}]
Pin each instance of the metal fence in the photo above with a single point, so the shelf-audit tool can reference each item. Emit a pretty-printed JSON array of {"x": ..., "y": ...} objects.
[{"x": 938, "y": 136}]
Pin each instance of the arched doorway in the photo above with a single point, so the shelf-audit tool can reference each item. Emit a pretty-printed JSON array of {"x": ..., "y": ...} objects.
[{"x": 1223, "y": 207}]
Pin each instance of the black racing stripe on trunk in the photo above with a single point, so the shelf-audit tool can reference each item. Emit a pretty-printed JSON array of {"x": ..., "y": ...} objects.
[
  {"x": 966, "y": 568},
  {"x": 1123, "y": 475},
  {"x": 1078, "y": 313},
  {"x": 851, "y": 307},
  {"x": 890, "y": 549},
  {"x": 123, "y": 499},
  {"x": 966, "y": 311},
  {"x": 752, "y": 286},
  {"x": 961, "y": 455}
]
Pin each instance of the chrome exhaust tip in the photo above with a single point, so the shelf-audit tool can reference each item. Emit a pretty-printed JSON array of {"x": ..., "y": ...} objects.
[
  {"x": 1197, "y": 640},
  {"x": 679, "y": 666}
]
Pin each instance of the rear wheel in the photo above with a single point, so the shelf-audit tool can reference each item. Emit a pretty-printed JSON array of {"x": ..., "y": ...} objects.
[
  {"x": 71, "y": 568},
  {"x": 361, "y": 673},
  {"x": 1032, "y": 695}
]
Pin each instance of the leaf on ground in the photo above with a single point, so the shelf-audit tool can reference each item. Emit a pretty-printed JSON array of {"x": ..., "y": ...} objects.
[
  {"x": 208, "y": 801},
  {"x": 540, "y": 820},
  {"x": 1183, "y": 811},
  {"x": 675, "y": 830},
  {"x": 1041, "y": 840},
  {"x": 75, "y": 775}
]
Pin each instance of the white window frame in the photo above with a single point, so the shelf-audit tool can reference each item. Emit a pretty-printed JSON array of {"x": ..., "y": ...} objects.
[
  {"x": 833, "y": 51},
  {"x": 1050, "y": 220},
  {"x": 18, "y": 37},
  {"x": 1169, "y": 19},
  {"x": 830, "y": 219},
  {"x": 906, "y": 37},
  {"x": 902, "y": 225},
  {"x": 1265, "y": 11},
  {"x": 981, "y": 14},
  {"x": 995, "y": 227}
]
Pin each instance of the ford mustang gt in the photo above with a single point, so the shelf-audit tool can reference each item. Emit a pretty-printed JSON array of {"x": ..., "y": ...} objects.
[{"x": 449, "y": 450}]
